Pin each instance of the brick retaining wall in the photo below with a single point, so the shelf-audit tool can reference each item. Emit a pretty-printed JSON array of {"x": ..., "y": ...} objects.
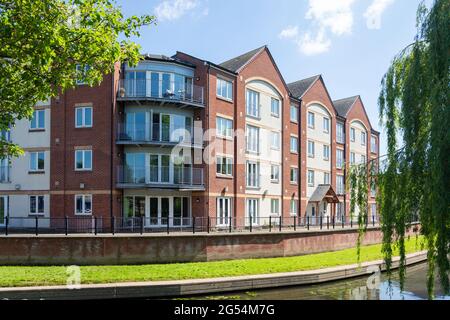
[{"x": 136, "y": 249}]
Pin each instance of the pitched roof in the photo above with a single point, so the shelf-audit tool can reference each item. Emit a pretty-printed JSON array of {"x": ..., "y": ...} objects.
[
  {"x": 342, "y": 106},
  {"x": 299, "y": 88},
  {"x": 324, "y": 191},
  {"x": 238, "y": 62}
]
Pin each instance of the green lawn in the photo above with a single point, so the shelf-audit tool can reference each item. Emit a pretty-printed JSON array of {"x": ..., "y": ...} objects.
[{"x": 55, "y": 275}]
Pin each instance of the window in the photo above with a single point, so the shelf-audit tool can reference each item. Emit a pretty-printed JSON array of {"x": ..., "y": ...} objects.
[
  {"x": 340, "y": 137},
  {"x": 340, "y": 184},
  {"x": 293, "y": 207},
  {"x": 374, "y": 211},
  {"x": 223, "y": 211},
  {"x": 326, "y": 178},
  {"x": 294, "y": 114},
  {"x": 294, "y": 144},
  {"x": 83, "y": 160},
  {"x": 252, "y": 103},
  {"x": 274, "y": 173},
  {"x": 224, "y": 127},
  {"x": 224, "y": 89},
  {"x": 363, "y": 138},
  {"x": 275, "y": 107},
  {"x": 83, "y": 117},
  {"x": 352, "y": 134},
  {"x": 311, "y": 147},
  {"x": 373, "y": 190},
  {"x": 275, "y": 140},
  {"x": 311, "y": 120},
  {"x": 326, "y": 125},
  {"x": 253, "y": 211},
  {"x": 373, "y": 144},
  {"x": 310, "y": 178},
  {"x": 36, "y": 204},
  {"x": 363, "y": 159},
  {"x": 224, "y": 166},
  {"x": 352, "y": 158},
  {"x": 81, "y": 74},
  {"x": 252, "y": 139},
  {"x": 326, "y": 152},
  {"x": 83, "y": 204},
  {"x": 339, "y": 158},
  {"x": 38, "y": 120},
  {"x": 252, "y": 174},
  {"x": 275, "y": 206},
  {"x": 37, "y": 161},
  {"x": 294, "y": 175}
]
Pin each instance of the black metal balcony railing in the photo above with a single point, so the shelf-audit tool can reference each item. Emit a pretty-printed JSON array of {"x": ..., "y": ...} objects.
[
  {"x": 161, "y": 90},
  {"x": 5, "y": 174},
  {"x": 160, "y": 176},
  {"x": 154, "y": 133}
]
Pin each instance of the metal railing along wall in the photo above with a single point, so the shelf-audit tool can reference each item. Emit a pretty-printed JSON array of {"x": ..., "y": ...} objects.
[{"x": 162, "y": 224}]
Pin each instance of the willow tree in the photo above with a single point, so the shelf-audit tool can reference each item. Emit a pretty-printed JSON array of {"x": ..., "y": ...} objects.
[
  {"x": 415, "y": 111},
  {"x": 42, "y": 43}
]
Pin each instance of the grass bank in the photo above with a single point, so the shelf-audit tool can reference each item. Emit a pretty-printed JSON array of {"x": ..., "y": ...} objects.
[{"x": 15, "y": 276}]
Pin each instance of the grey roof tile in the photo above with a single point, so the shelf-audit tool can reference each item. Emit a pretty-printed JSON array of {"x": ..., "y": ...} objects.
[
  {"x": 342, "y": 106},
  {"x": 299, "y": 88},
  {"x": 238, "y": 62}
]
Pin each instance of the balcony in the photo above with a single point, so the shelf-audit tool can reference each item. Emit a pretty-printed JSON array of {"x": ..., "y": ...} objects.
[
  {"x": 161, "y": 177},
  {"x": 161, "y": 91},
  {"x": 155, "y": 134}
]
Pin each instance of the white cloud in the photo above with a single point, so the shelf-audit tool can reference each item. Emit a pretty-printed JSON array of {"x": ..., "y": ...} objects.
[
  {"x": 289, "y": 33},
  {"x": 335, "y": 15},
  {"x": 374, "y": 12},
  {"x": 174, "y": 9},
  {"x": 310, "y": 45}
]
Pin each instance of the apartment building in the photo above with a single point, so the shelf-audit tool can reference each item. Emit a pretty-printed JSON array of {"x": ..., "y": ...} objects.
[{"x": 180, "y": 137}]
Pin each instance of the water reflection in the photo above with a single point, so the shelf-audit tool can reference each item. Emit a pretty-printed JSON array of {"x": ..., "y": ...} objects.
[{"x": 353, "y": 289}]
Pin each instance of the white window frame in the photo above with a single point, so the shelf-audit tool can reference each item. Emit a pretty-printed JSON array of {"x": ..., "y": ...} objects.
[
  {"x": 326, "y": 128},
  {"x": 227, "y": 164},
  {"x": 293, "y": 147},
  {"x": 363, "y": 159},
  {"x": 275, "y": 140},
  {"x": 274, "y": 113},
  {"x": 295, "y": 119},
  {"x": 228, "y": 88},
  {"x": 37, "y": 161},
  {"x": 37, "y": 212},
  {"x": 295, "y": 171},
  {"x": 310, "y": 178},
  {"x": 340, "y": 184},
  {"x": 250, "y": 109},
  {"x": 352, "y": 158},
  {"x": 340, "y": 160},
  {"x": 83, "y": 199},
  {"x": 274, "y": 173},
  {"x": 326, "y": 152},
  {"x": 274, "y": 204},
  {"x": 256, "y": 165},
  {"x": 311, "y": 116},
  {"x": 78, "y": 69},
  {"x": 250, "y": 143},
  {"x": 352, "y": 134},
  {"x": 222, "y": 126},
  {"x": 326, "y": 178},
  {"x": 83, "y": 117},
  {"x": 373, "y": 144},
  {"x": 84, "y": 151},
  {"x": 223, "y": 217},
  {"x": 293, "y": 207},
  {"x": 340, "y": 132},
  {"x": 37, "y": 114},
  {"x": 255, "y": 217},
  {"x": 363, "y": 138},
  {"x": 311, "y": 148}
]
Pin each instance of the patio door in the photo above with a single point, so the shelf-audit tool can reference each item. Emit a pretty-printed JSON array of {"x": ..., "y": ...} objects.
[
  {"x": 136, "y": 129},
  {"x": 3, "y": 209},
  {"x": 159, "y": 211},
  {"x": 252, "y": 211}
]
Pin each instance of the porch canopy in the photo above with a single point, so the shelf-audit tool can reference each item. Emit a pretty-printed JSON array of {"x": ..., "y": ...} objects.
[{"x": 324, "y": 192}]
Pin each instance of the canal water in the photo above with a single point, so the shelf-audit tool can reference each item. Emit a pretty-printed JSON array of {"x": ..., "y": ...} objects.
[{"x": 362, "y": 288}]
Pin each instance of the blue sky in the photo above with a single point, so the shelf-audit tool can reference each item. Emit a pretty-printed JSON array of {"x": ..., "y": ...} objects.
[{"x": 349, "y": 42}]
